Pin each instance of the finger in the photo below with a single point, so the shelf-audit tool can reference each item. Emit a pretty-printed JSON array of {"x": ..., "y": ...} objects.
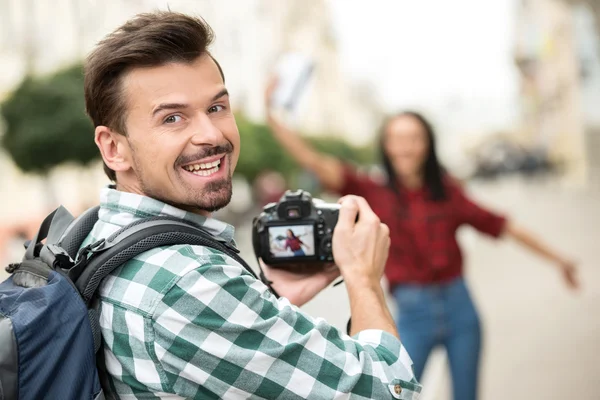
[
  {"x": 573, "y": 285},
  {"x": 347, "y": 214},
  {"x": 330, "y": 266},
  {"x": 367, "y": 219},
  {"x": 384, "y": 235},
  {"x": 572, "y": 281},
  {"x": 388, "y": 243},
  {"x": 384, "y": 230},
  {"x": 365, "y": 211},
  {"x": 344, "y": 198},
  {"x": 331, "y": 273}
]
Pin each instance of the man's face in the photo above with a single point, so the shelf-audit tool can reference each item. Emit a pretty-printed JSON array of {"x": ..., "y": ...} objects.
[{"x": 183, "y": 142}]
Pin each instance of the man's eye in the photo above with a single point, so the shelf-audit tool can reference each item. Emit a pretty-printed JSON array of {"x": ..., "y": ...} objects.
[
  {"x": 171, "y": 119},
  {"x": 216, "y": 108}
]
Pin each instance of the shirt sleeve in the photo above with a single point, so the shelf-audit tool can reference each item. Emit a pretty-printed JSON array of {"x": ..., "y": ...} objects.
[
  {"x": 219, "y": 333},
  {"x": 478, "y": 217},
  {"x": 356, "y": 184}
]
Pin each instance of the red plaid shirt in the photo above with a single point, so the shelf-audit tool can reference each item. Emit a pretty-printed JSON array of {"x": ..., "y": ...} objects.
[{"x": 423, "y": 232}]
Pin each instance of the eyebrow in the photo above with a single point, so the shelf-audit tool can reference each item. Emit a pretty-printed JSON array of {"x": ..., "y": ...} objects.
[
  {"x": 168, "y": 106},
  {"x": 174, "y": 106},
  {"x": 222, "y": 93}
]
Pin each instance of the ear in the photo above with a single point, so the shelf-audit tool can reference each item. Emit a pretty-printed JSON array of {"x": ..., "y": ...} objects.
[{"x": 114, "y": 148}]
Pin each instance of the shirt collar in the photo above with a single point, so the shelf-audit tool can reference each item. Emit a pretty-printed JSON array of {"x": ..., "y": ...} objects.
[{"x": 122, "y": 208}]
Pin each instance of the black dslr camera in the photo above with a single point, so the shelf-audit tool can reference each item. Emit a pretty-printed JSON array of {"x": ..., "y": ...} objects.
[{"x": 296, "y": 230}]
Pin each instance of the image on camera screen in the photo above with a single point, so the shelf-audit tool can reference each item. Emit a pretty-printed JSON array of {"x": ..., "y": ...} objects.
[{"x": 292, "y": 241}]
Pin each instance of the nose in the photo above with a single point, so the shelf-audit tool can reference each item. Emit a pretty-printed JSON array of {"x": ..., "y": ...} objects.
[{"x": 205, "y": 132}]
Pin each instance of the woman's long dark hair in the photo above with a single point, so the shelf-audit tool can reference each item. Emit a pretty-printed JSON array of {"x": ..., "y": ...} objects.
[
  {"x": 293, "y": 234},
  {"x": 432, "y": 170}
]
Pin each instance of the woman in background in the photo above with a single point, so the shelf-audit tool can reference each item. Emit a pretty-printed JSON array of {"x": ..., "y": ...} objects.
[
  {"x": 423, "y": 208},
  {"x": 294, "y": 243}
]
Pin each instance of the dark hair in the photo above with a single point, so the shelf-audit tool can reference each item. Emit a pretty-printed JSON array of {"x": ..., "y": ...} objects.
[
  {"x": 147, "y": 40},
  {"x": 292, "y": 232},
  {"x": 432, "y": 170}
]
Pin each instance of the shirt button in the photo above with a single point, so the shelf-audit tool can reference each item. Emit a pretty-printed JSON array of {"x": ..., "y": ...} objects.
[{"x": 397, "y": 389}]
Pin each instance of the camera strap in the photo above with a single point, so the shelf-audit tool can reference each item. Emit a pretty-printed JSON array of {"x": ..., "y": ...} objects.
[{"x": 263, "y": 278}]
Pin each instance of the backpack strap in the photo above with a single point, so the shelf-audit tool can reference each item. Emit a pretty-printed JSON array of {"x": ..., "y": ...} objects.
[
  {"x": 76, "y": 233},
  {"x": 41, "y": 258},
  {"x": 99, "y": 259},
  {"x": 51, "y": 229}
]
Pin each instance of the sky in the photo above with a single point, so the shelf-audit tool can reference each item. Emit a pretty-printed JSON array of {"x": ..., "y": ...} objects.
[{"x": 434, "y": 54}]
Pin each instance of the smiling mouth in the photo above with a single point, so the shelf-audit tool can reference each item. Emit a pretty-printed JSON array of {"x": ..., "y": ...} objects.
[{"x": 204, "y": 169}]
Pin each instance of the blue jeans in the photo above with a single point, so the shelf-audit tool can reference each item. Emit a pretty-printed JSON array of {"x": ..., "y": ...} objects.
[{"x": 441, "y": 314}]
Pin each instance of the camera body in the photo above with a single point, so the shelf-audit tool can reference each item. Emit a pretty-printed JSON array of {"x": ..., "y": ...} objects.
[{"x": 297, "y": 229}]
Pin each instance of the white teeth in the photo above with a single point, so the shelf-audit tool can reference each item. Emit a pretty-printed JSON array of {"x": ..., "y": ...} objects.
[
  {"x": 204, "y": 169},
  {"x": 205, "y": 172}
]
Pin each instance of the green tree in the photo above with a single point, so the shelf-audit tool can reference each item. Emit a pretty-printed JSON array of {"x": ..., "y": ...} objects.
[
  {"x": 46, "y": 124},
  {"x": 260, "y": 151}
]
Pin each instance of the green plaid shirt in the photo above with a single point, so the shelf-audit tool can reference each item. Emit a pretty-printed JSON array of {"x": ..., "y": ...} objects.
[{"x": 190, "y": 322}]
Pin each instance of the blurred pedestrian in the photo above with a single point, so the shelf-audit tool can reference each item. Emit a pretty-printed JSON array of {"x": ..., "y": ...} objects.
[
  {"x": 268, "y": 187},
  {"x": 423, "y": 207}
]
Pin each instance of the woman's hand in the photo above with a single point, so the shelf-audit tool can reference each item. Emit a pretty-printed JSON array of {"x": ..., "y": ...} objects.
[
  {"x": 569, "y": 272},
  {"x": 269, "y": 90},
  {"x": 568, "y": 268}
]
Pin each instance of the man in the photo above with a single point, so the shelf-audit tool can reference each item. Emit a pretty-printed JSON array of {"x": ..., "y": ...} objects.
[{"x": 187, "y": 321}]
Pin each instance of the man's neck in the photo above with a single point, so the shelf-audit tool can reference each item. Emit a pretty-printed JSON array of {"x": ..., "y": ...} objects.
[{"x": 123, "y": 187}]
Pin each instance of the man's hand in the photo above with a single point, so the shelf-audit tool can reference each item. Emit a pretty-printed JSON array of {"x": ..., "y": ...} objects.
[
  {"x": 360, "y": 248},
  {"x": 299, "y": 287}
]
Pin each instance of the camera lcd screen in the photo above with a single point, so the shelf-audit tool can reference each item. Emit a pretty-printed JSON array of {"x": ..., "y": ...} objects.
[{"x": 292, "y": 241}]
